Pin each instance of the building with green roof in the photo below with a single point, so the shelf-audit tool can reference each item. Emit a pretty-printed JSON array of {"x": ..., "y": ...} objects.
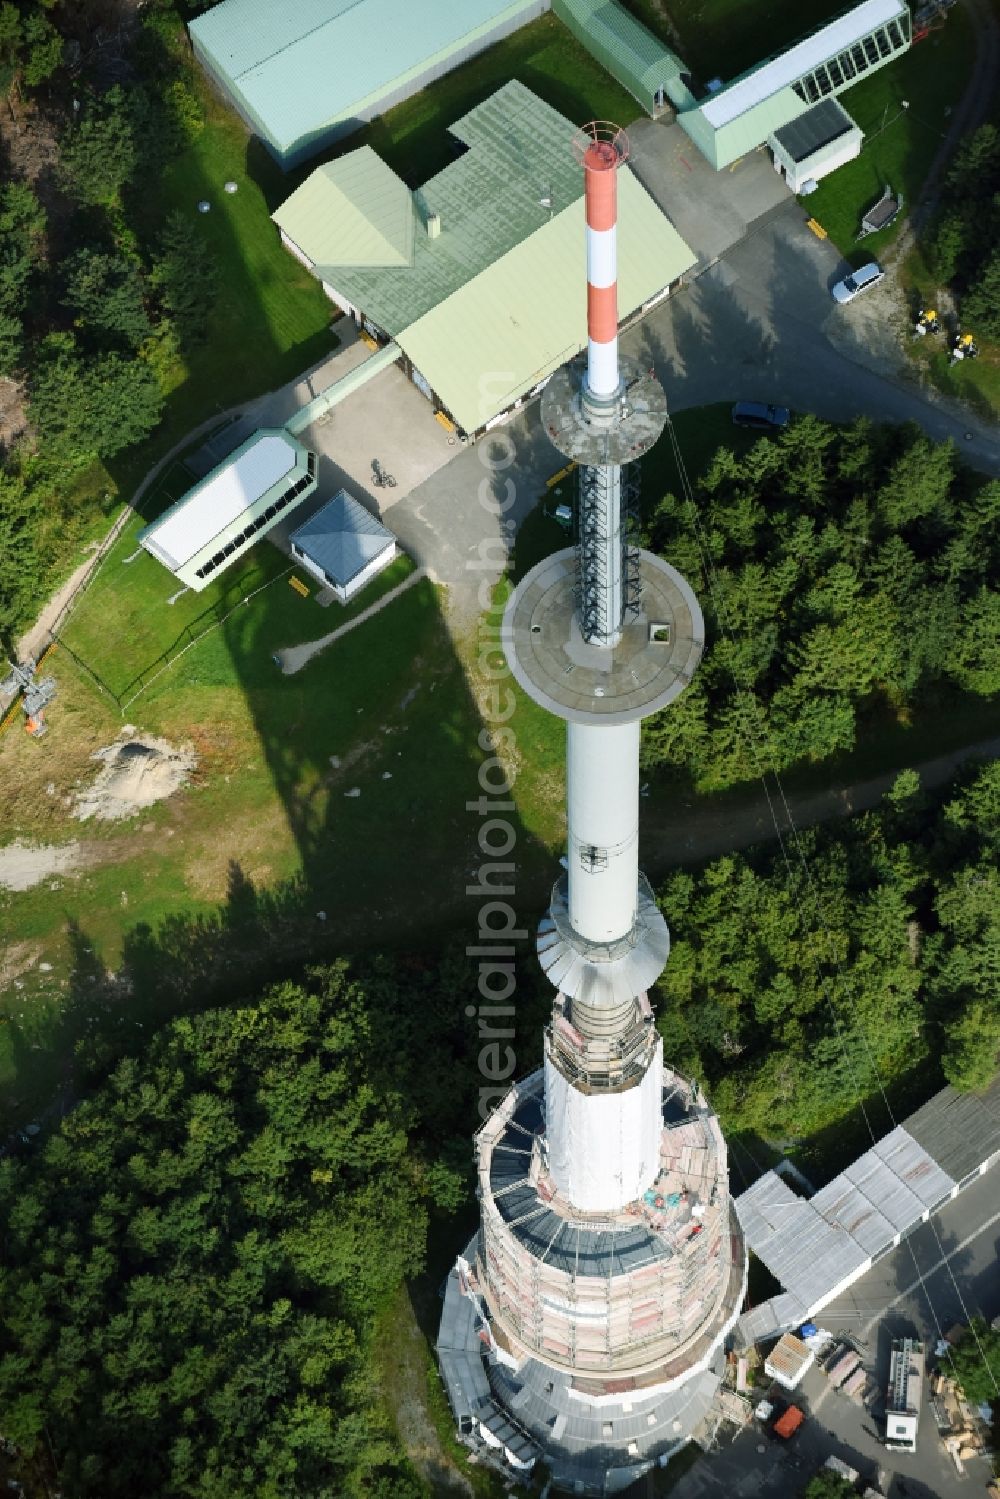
[
  {"x": 640, "y": 62},
  {"x": 493, "y": 297},
  {"x": 304, "y": 75},
  {"x": 746, "y": 112}
]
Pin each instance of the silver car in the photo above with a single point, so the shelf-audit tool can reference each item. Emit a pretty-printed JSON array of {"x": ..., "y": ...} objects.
[{"x": 862, "y": 279}]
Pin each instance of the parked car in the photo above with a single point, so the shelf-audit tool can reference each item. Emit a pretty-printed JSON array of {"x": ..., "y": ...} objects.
[
  {"x": 788, "y": 1424},
  {"x": 862, "y": 279},
  {"x": 758, "y": 414}
]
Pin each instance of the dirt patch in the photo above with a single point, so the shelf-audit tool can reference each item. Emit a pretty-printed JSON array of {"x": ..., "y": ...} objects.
[
  {"x": 406, "y": 1377},
  {"x": 13, "y": 415},
  {"x": 23, "y": 864},
  {"x": 137, "y": 772},
  {"x": 16, "y": 959},
  {"x": 874, "y": 330}
]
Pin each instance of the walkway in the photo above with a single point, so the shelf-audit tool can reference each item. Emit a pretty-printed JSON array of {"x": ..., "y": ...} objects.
[
  {"x": 688, "y": 832},
  {"x": 293, "y": 657}
]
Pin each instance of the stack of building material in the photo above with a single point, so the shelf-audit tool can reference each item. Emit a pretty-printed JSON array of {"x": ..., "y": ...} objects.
[{"x": 842, "y": 1367}]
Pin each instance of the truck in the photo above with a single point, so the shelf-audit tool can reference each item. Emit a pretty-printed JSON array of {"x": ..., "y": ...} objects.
[{"x": 788, "y": 1424}]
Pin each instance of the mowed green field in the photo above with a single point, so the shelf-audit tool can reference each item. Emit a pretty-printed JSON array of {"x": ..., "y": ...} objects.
[
  {"x": 413, "y": 136},
  {"x": 900, "y": 142},
  {"x": 722, "y": 38},
  {"x": 341, "y": 789}
]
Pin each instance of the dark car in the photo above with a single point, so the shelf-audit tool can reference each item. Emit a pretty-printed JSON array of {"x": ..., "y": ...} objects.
[{"x": 758, "y": 414}]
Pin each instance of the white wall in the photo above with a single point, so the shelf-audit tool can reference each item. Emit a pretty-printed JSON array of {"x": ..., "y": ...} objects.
[
  {"x": 357, "y": 583},
  {"x": 796, "y": 173}
]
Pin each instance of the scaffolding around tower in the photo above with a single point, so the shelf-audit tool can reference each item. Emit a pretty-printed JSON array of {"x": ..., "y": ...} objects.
[{"x": 640, "y": 1294}]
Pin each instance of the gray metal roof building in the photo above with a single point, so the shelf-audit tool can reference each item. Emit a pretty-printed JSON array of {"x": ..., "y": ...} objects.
[
  {"x": 817, "y": 1246},
  {"x": 304, "y": 75},
  {"x": 343, "y": 544},
  {"x": 960, "y": 1130}
]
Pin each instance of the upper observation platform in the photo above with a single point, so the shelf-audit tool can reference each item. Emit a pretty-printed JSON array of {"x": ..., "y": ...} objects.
[{"x": 660, "y": 645}]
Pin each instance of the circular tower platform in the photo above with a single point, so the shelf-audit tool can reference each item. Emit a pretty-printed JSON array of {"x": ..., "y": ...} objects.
[
  {"x": 600, "y": 432},
  {"x": 660, "y": 646}
]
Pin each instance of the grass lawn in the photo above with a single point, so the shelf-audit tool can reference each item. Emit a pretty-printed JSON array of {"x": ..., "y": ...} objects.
[
  {"x": 722, "y": 38},
  {"x": 413, "y": 137},
  {"x": 900, "y": 144}
]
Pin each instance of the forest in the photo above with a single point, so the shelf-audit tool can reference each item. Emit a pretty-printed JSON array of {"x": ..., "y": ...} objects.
[
  {"x": 99, "y": 300},
  {"x": 963, "y": 243},
  {"x": 846, "y": 571},
  {"x": 196, "y": 1258}
]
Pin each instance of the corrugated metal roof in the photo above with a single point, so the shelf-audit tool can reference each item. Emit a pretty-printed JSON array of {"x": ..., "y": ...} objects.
[
  {"x": 301, "y": 67},
  {"x": 342, "y": 538},
  {"x": 813, "y": 1246},
  {"x": 526, "y": 315},
  {"x": 637, "y": 58},
  {"x": 780, "y": 72},
  {"x": 789, "y": 1357},
  {"x": 960, "y": 1130},
  {"x": 353, "y": 211},
  {"x": 487, "y": 201},
  {"x": 222, "y": 497},
  {"x": 769, "y": 1318},
  {"x": 808, "y": 1254}
]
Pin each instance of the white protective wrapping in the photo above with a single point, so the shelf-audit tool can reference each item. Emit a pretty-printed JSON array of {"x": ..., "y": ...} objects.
[
  {"x": 602, "y": 804},
  {"x": 604, "y": 1148}
]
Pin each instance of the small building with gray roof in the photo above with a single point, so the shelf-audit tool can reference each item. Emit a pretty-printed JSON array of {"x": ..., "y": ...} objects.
[
  {"x": 343, "y": 545},
  {"x": 816, "y": 1247}
]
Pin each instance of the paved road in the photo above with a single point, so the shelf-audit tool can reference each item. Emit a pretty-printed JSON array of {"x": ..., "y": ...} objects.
[
  {"x": 910, "y": 1291},
  {"x": 759, "y": 324}
]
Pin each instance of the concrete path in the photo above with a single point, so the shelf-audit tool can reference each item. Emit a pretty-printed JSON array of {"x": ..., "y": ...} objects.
[
  {"x": 293, "y": 657},
  {"x": 33, "y": 643}
]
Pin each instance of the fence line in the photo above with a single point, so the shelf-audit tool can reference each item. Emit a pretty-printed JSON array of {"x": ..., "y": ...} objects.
[
  {"x": 97, "y": 561},
  {"x": 184, "y": 649},
  {"x": 102, "y": 686}
]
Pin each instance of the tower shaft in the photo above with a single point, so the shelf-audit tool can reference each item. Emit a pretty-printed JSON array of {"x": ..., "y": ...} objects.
[
  {"x": 602, "y": 807},
  {"x": 607, "y": 1259},
  {"x": 600, "y": 162}
]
